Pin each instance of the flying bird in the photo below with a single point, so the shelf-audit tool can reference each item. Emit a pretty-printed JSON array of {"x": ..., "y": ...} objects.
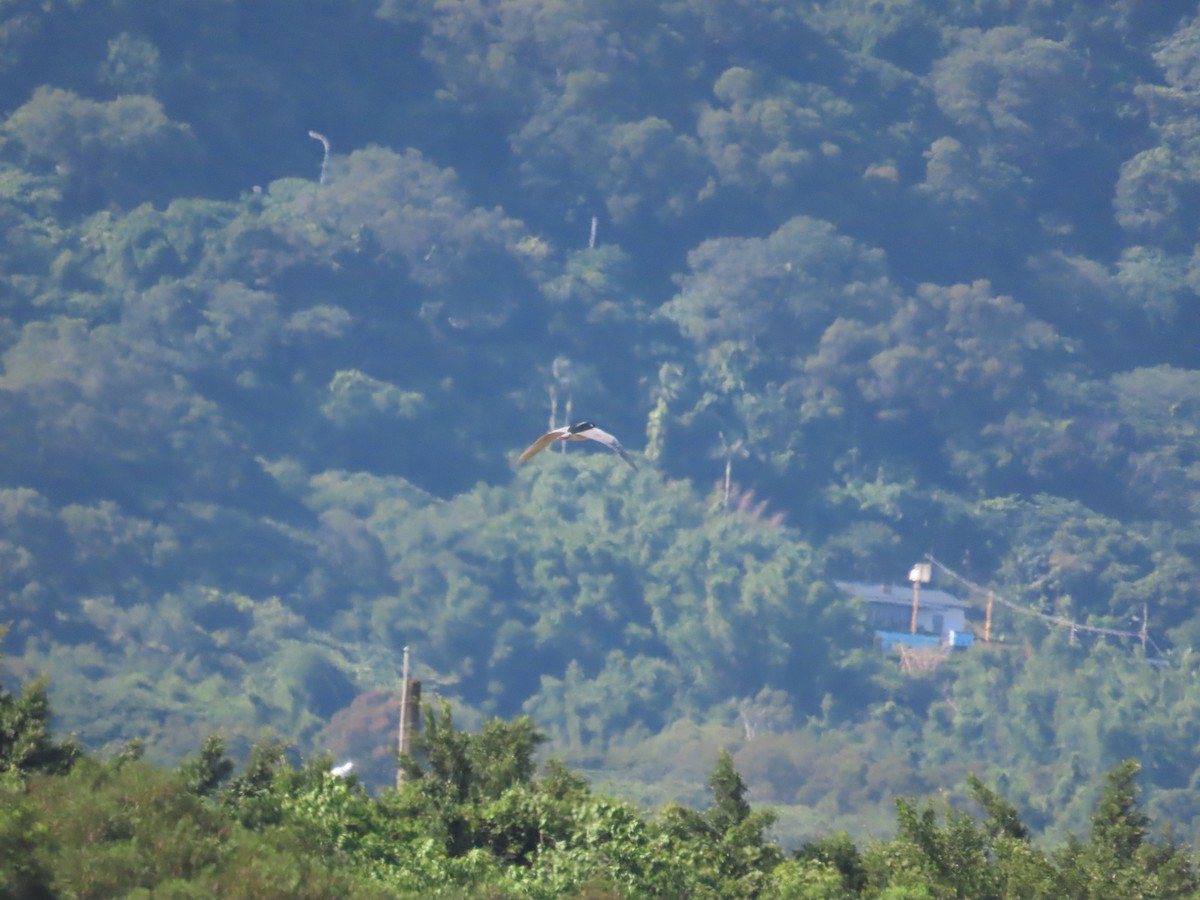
[{"x": 580, "y": 431}]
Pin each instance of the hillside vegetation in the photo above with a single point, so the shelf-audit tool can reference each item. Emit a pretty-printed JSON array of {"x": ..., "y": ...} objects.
[
  {"x": 475, "y": 818},
  {"x": 285, "y": 287}
]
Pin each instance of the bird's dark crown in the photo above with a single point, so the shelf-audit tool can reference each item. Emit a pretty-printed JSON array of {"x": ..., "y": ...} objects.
[{"x": 580, "y": 426}]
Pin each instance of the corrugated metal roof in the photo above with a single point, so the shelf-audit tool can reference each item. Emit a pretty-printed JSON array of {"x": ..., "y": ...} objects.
[{"x": 900, "y": 594}]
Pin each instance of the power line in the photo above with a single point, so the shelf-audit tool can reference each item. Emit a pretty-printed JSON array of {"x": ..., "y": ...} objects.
[{"x": 1075, "y": 627}]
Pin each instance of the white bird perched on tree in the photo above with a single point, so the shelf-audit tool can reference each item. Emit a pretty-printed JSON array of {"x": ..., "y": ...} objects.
[{"x": 343, "y": 770}]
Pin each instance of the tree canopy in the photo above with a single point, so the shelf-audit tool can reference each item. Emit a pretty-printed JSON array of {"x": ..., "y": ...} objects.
[{"x": 284, "y": 289}]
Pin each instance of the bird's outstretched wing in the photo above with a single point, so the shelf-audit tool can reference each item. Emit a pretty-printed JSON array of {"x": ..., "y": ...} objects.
[
  {"x": 598, "y": 434},
  {"x": 541, "y": 444},
  {"x": 581, "y": 431}
]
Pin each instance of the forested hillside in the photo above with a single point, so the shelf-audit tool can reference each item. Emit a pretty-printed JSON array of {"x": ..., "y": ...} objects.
[
  {"x": 285, "y": 287},
  {"x": 477, "y": 817}
]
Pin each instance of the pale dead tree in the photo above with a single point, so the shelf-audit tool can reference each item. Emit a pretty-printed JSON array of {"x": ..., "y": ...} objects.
[
  {"x": 729, "y": 451},
  {"x": 565, "y": 377},
  {"x": 592, "y": 239},
  {"x": 749, "y": 723},
  {"x": 553, "y": 391},
  {"x": 561, "y": 370},
  {"x": 317, "y": 136}
]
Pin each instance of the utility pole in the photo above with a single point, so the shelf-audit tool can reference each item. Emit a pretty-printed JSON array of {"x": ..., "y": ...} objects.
[
  {"x": 987, "y": 621},
  {"x": 410, "y": 707}
]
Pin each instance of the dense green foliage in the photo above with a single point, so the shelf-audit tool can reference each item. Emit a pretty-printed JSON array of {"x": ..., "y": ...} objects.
[
  {"x": 475, "y": 819},
  {"x": 856, "y": 281}
]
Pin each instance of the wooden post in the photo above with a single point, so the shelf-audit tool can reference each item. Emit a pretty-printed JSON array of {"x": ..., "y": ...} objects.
[
  {"x": 921, "y": 572},
  {"x": 987, "y": 621}
]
